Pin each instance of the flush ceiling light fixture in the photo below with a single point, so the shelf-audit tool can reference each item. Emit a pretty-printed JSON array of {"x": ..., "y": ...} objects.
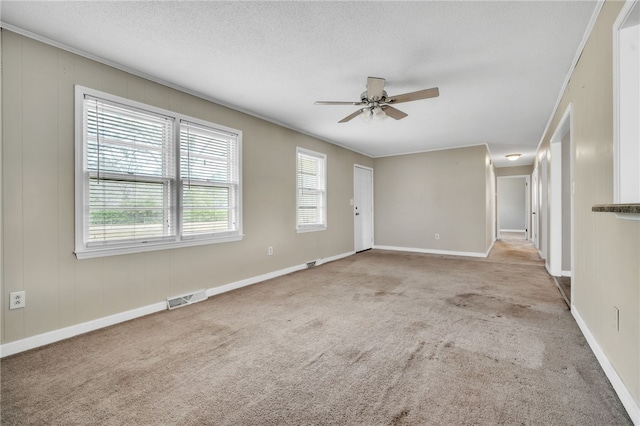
[{"x": 512, "y": 157}]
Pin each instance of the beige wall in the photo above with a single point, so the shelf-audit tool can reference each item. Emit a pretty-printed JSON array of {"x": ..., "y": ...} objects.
[
  {"x": 512, "y": 198},
  {"x": 520, "y": 171},
  {"x": 38, "y": 195},
  {"x": 606, "y": 250},
  {"x": 438, "y": 192},
  {"x": 514, "y": 171}
]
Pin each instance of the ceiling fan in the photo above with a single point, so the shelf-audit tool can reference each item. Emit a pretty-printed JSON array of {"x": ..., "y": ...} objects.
[{"x": 376, "y": 104}]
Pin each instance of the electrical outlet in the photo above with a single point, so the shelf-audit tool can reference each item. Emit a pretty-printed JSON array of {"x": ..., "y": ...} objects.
[
  {"x": 17, "y": 300},
  {"x": 616, "y": 318},
  {"x": 437, "y": 236},
  {"x": 270, "y": 250}
]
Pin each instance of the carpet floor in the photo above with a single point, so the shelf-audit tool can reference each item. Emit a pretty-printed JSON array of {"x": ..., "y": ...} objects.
[{"x": 378, "y": 338}]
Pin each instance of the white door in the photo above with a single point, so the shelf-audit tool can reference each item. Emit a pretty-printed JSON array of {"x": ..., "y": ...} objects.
[{"x": 363, "y": 207}]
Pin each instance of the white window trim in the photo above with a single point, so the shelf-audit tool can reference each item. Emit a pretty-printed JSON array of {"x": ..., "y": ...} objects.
[
  {"x": 82, "y": 251},
  {"x": 315, "y": 227},
  {"x": 617, "y": 161}
]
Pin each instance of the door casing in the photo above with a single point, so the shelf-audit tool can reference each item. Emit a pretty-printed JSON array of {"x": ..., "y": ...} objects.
[{"x": 362, "y": 207}]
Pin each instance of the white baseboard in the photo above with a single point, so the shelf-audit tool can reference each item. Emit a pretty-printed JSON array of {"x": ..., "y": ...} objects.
[
  {"x": 333, "y": 258},
  {"x": 38, "y": 340},
  {"x": 490, "y": 248},
  {"x": 625, "y": 396},
  {"x": 430, "y": 251},
  {"x": 43, "y": 339},
  {"x": 513, "y": 230},
  {"x": 253, "y": 280},
  {"x": 556, "y": 273}
]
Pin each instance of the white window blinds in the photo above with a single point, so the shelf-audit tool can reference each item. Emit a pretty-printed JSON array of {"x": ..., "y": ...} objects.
[
  {"x": 149, "y": 179},
  {"x": 131, "y": 171},
  {"x": 311, "y": 190},
  {"x": 209, "y": 177}
]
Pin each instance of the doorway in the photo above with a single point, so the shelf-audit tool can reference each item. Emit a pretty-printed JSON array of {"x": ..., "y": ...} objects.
[
  {"x": 561, "y": 219},
  {"x": 513, "y": 207},
  {"x": 363, "y": 207},
  {"x": 535, "y": 214},
  {"x": 542, "y": 202}
]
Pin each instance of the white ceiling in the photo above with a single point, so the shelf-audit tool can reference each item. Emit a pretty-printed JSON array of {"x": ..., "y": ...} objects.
[{"x": 500, "y": 66}]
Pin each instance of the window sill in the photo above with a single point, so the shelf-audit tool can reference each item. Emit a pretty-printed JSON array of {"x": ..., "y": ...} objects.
[
  {"x": 622, "y": 211},
  {"x": 141, "y": 248},
  {"x": 311, "y": 229}
]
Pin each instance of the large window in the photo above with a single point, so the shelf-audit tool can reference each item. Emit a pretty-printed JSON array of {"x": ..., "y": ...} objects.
[
  {"x": 311, "y": 191},
  {"x": 149, "y": 179}
]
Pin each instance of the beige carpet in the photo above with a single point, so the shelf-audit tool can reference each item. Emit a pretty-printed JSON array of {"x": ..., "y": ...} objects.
[
  {"x": 515, "y": 251},
  {"x": 511, "y": 235},
  {"x": 379, "y": 338}
]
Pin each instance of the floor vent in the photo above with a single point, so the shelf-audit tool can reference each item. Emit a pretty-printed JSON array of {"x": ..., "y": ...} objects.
[
  {"x": 186, "y": 299},
  {"x": 311, "y": 264}
]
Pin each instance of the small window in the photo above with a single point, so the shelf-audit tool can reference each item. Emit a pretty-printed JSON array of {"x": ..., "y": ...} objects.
[
  {"x": 311, "y": 195},
  {"x": 149, "y": 179},
  {"x": 626, "y": 48}
]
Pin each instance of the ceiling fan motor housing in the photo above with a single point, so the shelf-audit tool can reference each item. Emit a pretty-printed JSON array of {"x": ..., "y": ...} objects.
[{"x": 364, "y": 97}]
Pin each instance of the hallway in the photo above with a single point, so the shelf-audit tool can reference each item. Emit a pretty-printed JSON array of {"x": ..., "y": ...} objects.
[{"x": 514, "y": 248}]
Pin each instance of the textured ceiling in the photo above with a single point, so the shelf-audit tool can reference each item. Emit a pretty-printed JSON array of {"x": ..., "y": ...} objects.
[{"x": 500, "y": 66}]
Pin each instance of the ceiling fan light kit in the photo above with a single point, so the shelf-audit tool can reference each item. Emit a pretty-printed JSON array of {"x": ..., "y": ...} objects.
[
  {"x": 366, "y": 115},
  {"x": 377, "y": 104},
  {"x": 379, "y": 114},
  {"x": 373, "y": 113}
]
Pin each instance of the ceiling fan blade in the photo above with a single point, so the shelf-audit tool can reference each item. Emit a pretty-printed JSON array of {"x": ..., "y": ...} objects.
[
  {"x": 414, "y": 96},
  {"x": 375, "y": 86},
  {"x": 394, "y": 113},
  {"x": 350, "y": 116},
  {"x": 336, "y": 103}
]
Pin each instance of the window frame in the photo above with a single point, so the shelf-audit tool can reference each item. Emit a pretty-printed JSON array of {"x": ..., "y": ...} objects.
[
  {"x": 622, "y": 170},
  {"x": 85, "y": 249},
  {"x": 219, "y": 236},
  {"x": 322, "y": 225}
]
